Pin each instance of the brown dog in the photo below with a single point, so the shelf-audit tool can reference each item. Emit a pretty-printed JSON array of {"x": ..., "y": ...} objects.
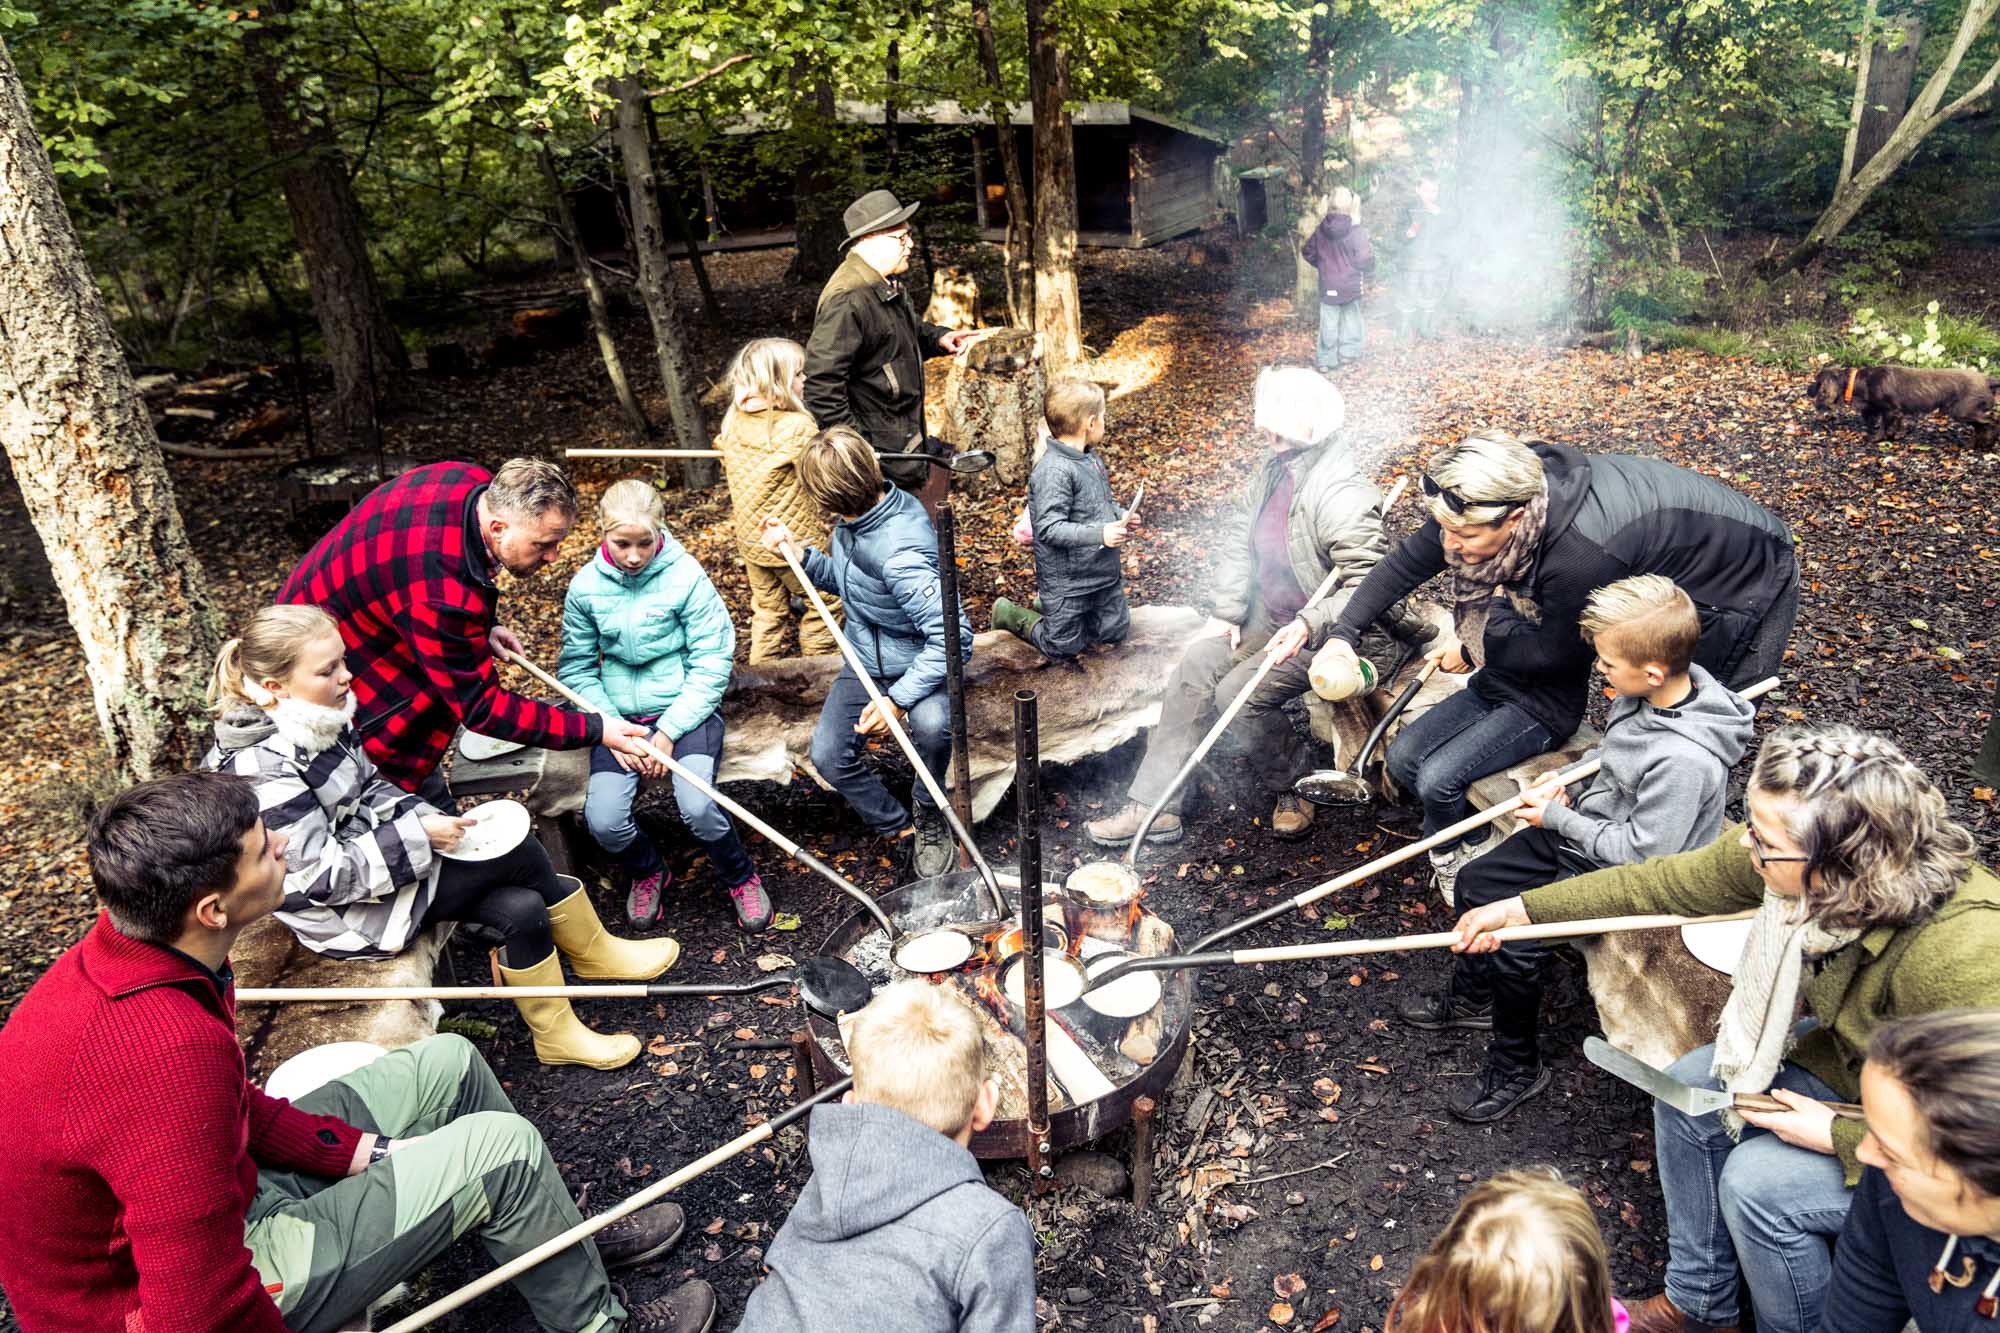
[{"x": 1884, "y": 395}]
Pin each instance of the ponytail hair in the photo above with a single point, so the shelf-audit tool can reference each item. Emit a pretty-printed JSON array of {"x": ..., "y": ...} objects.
[
  {"x": 268, "y": 649},
  {"x": 632, "y": 504}
]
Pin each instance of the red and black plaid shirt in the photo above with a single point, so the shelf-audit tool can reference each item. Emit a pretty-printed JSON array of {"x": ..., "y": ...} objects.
[{"x": 406, "y": 575}]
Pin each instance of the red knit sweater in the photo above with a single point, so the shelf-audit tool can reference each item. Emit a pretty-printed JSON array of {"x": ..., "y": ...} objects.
[{"x": 133, "y": 1142}]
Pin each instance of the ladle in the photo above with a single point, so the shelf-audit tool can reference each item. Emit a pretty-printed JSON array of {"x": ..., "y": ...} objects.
[
  {"x": 888, "y": 714},
  {"x": 1442, "y": 939},
  {"x": 1334, "y": 787},
  {"x": 966, "y": 464},
  {"x": 1449, "y": 833},
  {"x": 831, "y": 986},
  {"x": 708, "y": 789},
  {"x": 1236, "y": 705}
]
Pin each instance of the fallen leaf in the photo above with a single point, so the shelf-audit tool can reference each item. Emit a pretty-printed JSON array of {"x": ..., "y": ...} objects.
[
  {"x": 1279, "y": 1313},
  {"x": 659, "y": 1045},
  {"x": 1287, "y": 1285},
  {"x": 786, "y": 921},
  {"x": 1327, "y": 1320},
  {"x": 1375, "y": 1264},
  {"x": 771, "y": 962}
]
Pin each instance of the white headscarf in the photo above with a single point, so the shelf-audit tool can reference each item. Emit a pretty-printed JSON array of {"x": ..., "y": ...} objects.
[{"x": 1298, "y": 404}]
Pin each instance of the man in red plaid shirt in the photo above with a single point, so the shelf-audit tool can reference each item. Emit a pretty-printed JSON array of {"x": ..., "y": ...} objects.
[{"x": 409, "y": 574}]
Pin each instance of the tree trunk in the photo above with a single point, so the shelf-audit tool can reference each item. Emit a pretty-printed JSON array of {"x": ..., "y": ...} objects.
[
  {"x": 593, "y": 292},
  {"x": 88, "y": 464},
  {"x": 1017, "y": 249},
  {"x": 326, "y": 222},
  {"x": 676, "y": 215},
  {"x": 1859, "y": 111},
  {"x": 817, "y": 206},
  {"x": 1058, "y": 314},
  {"x": 1885, "y": 92},
  {"x": 1926, "y": 113},
  {"x": 1312, "y": 159},
  {"x": 656, "y": 285}
]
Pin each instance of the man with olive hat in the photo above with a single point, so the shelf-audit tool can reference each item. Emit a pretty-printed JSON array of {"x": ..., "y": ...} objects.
[{"x": 865, "y": 359}]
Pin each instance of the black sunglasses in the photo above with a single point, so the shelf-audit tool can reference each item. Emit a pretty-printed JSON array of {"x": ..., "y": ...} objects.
[
  {"x": 1758, "y": 852},
  {"x": 1458, "y": 504}
]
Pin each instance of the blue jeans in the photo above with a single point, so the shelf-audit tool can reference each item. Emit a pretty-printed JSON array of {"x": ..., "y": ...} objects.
[
  {"x": 1454, "y": 745},
  {"x": 1760, "y": 1204},
  {"x": 607, "y": 809},
  {"x": 1340, "y": 334},
  {"x": 837, "y": 751}
]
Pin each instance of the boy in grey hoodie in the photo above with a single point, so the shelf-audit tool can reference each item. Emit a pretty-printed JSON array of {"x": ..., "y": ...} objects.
[
  {"x": 896, "y": 1232},
  {"x": 1673, "y": 733}
]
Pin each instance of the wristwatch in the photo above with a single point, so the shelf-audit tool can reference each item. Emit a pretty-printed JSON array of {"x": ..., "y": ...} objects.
[{"x": 380, "y": 1150}]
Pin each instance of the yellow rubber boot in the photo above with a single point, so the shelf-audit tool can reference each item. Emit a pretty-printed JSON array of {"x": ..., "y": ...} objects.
[
  {"x": 594, "y": 953},
  {"x": 560, "y": 1036}
]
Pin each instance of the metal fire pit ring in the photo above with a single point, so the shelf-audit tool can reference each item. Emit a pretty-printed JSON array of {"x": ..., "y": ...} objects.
[{"x": 957, "y": 899}]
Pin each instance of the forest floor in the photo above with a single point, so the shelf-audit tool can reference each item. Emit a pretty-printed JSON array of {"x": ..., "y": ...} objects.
[{"x": 1299, "y": 1081}]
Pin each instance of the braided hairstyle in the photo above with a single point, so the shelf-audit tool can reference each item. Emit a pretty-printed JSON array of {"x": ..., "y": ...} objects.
[{"x": 1881, "y": 847}]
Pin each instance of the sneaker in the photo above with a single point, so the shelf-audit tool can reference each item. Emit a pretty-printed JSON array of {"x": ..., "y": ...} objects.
[
  {"x": 1117, "y": 829},
  {"x": 1447, "y": 1009},
  {"x": 753, "y": 905},
  {"x": 1444, "y": 872},
  {"x": 688, "y": 1308},
  {"x": 932, "y": 850},
  {"x": 1292, "y": 819},
  {"x": 642, "y": 1236},
  {"x": 1497, "y": 1091},
  {"x": 646, "y": 897}
]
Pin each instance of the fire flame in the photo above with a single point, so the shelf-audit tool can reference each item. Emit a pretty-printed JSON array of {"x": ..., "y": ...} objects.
[{"x": 986, "y": 989}]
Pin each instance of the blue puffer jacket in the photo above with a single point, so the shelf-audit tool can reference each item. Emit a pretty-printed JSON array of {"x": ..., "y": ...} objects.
[
  {"x": 884, "y": 567},
  {"x": 656, "y": 642}
]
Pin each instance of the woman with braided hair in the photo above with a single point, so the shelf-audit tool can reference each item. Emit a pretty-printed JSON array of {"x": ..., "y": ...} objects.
[{"x": 1869, "y": 908}]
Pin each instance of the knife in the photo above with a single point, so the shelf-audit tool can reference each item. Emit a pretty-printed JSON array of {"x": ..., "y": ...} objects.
[
  {"x": 1683, "y": 1097},
  {"x": 1137, "y": 496}
]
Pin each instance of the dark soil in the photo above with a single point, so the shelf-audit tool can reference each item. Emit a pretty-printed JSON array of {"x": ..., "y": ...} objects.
[{"x": 1297, "y": 1069}]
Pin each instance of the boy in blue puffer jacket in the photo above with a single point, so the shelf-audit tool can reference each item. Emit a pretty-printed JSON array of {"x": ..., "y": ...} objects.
[
  {"x": 647, "y": 638},
  {"x": 882, "y": 562}
]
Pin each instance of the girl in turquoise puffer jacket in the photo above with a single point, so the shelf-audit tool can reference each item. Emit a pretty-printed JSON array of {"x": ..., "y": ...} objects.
[{"x": 647, "y": 638}]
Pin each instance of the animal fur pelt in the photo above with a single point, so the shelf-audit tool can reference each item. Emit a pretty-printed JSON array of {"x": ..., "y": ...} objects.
[{"x": 1886, "y": 395}]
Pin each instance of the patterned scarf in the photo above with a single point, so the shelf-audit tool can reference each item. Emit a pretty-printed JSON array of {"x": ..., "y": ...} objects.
[
  {"x": 1473, "y": 586},
  {"x": 1763, "y": 1007}
]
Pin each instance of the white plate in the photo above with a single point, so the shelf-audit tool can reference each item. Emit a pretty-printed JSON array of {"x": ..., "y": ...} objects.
[
  {"x": 480, "y": 748},
  {"x": 1718, "y": 944},
  {"x": 498, "y": 828},
  {"x": 317, "y": 1066}
]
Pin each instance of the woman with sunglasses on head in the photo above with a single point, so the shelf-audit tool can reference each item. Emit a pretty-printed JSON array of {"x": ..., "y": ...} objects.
[
  {"x": 1528, "y": 530},
  {"x": 1869, "y": 908}
]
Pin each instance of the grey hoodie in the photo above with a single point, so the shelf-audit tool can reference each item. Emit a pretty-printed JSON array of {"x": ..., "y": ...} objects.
[
  {"x": 1664, "y": 780},
  {"x": 896, "y": 1232}
]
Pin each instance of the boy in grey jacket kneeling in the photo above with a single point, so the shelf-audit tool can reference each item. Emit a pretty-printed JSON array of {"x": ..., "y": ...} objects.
[
  {"x": 1078, "y": 528},
  {"x": 896, "y": 1232}
]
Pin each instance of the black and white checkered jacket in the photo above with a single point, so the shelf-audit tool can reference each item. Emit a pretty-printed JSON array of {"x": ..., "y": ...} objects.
[{"x": 359, "y": 869}]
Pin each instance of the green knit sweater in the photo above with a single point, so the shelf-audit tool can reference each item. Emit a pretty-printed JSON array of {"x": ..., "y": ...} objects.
[{"x": 1949, "y": 960}]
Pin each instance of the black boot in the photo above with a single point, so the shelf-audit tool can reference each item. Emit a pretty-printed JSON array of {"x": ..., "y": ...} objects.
[
  {"x": 1466, "y": 1003},
  {"x": 1514, "y": 1070},
  {"x": 1500, "y": 1087}
]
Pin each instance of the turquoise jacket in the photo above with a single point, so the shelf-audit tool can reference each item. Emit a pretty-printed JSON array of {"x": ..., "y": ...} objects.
[{"x": 656, "y": 642}]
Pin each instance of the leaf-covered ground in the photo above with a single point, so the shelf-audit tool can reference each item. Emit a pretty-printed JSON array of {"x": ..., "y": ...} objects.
[{"x": 1330, "y": 1115}]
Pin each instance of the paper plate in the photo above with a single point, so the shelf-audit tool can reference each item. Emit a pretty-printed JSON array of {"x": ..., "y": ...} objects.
[
  {"x": 498, "y": 829},
  {"x": 1718, "y": 944},
  {"x": 316, "y": 1066},
  {"x": 479, "y": 748}
]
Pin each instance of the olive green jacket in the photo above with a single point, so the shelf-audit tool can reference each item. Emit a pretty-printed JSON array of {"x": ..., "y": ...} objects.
[{"x": 1949, "y": 960}]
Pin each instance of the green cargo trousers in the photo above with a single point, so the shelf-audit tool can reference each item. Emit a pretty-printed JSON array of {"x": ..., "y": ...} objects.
[{"x": 329, "y": 1247}]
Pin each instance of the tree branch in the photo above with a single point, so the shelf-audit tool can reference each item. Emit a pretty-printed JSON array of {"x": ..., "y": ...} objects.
[
  {"x": 698, "y": 79},
  {"x": 1974, "y": 93}
]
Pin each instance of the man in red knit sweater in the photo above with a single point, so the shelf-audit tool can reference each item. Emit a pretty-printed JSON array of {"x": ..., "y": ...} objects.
[{"x": 149, "y": 1187}]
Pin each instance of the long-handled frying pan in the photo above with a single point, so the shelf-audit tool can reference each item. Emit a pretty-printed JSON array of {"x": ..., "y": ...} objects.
[
  {"x": 1442, "y": 939},
  {"x": 1402, "y": 854},
  {"x": 701, "y": 784},
  {"x": 1352, "y": 787},
  {"x": 831, "y": 986},
  {"x": 903, "y": 740},
  {"x": 1208, "y": 741},
  {"x": 590, "y": 1226}
]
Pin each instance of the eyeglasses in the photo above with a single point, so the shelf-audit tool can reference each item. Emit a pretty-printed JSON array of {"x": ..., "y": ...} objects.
[
  {"x": 1458, "y": 504},
  {"x": 1760, "y": 852}
]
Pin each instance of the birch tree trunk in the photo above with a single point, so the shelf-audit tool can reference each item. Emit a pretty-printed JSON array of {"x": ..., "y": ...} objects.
[
  {"x": 89, "y": 467},
  {"x": 1017, "y": 250},
  {"x": 1058, "y": 312},
  {"x": 656, "y": 285}
]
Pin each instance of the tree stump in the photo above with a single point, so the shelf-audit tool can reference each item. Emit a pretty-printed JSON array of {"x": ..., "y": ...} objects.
[
  {"x": 954, "y": 299},
  {"x": 993, "y": 397}
]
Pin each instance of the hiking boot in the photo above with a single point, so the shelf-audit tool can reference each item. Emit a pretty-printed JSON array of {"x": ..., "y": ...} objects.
[
  {"x": 753, "y": 905},
  {"x": 1119, "y": 828},
  {"x": 1498, "y": 1090},
  {"x": 932, "y": 850},
  {"x": 647, "y": 896},
  {"x": 1446, "y": 1009},
  {"x": 642, "y": 1236},
  {"x": 1016, "y": 620},
  {"x": 1658, "y": 1314},
  {"x": 688, "y": 1308},
  {"x": 1292, "y": 819}
]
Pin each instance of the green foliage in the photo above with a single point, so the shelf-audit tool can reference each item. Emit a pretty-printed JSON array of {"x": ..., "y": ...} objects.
[{"x": 1930, "y": 338}]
